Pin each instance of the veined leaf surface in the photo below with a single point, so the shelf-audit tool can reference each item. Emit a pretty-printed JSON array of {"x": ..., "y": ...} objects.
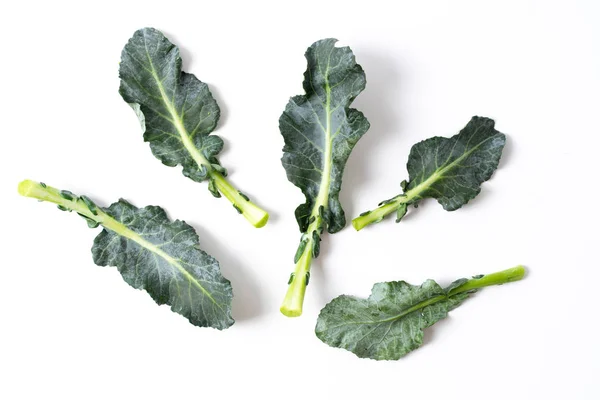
[
  {"x": 176, "y": 110},
  {"x": 390, "y": 323},
  {"x": 152, "y": 253},
  {"x": 450, "y": 170},
  {"x": 320, "y": 130},
  {"x": 177, "y": 113}
]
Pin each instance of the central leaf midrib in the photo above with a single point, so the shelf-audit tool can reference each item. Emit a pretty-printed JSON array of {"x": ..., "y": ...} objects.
[
  {"x": 177, "y": 122},
  {"x": 322, "y": 197},
  {"x": 403, "y": 313},
  {"x": 122, "y": 230},
  {"x": 439, "y": 173}
]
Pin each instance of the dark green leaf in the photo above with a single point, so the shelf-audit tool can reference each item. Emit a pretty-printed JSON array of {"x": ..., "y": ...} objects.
[
  {"x": 320, "y": 130},
  {"x": 153, "y": 253},
  {"x": 163, "y": 258},
  {"x": 452, "y": 170},
  {"x": 390, "y": 323},
  {"x": 176, "y": 110}
]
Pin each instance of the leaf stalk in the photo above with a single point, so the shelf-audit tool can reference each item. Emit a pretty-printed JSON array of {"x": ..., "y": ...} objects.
[
  {"x": 294, "y": 298},
  {"x": 254, "y": 214}
]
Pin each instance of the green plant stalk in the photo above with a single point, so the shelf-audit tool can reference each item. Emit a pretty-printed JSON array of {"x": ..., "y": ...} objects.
[
  {"x": 391, "y": 205},
  {"x": 254, "y": 214},
  {"x": 498, "y": 278},
  {"x": 294, "y": 297},
  {"x": 42, "y": 192},
  {"x": 376, "y": 215}
]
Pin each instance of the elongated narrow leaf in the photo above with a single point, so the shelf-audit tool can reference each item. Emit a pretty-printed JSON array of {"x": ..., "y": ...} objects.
[
  {"x": 176, "y": 110},
  {"x": 450, "y": 170},
  {"x": 320, "y": 130},
  {"x": 152, "y": 253},
  {"x": 390, "y": 323}
]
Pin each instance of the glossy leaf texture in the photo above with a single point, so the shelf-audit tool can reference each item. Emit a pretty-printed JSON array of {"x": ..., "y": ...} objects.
[
  {"x": 152, "y": 253},
  {"x": 391, "y": 322},
  {"x": 176, "y": 110},
  {"x": 320, "y": 130}
]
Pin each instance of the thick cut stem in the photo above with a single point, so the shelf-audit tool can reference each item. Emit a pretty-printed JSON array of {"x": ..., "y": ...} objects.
[
  {"x": 497, "y": 278},
  {"x": 294, "y": 298},
  {"x": 257, "y": 216},
  {"x": 42, "y": 192}
]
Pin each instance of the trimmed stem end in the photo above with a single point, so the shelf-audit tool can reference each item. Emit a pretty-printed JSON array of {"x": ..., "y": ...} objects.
[{"x": 26, "y": 187}]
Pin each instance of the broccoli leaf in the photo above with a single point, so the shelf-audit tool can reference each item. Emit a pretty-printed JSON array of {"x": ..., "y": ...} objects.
[
  {"x": 177, "y": 113},
  {"x": 450, "y": 170},
  {"x": 390, "y": 323},
  {"x": 320, "y": 130},
  {"x": 152, "y": 253}
]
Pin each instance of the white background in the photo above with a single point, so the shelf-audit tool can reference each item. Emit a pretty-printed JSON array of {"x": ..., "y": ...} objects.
[{"x": 72, "y": 330}]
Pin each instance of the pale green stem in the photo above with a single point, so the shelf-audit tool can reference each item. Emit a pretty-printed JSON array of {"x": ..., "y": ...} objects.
[
  {"x": 294, "y": 298},
  {"x": 257, "y": 216},
  {"x": 42, "y": 192},
  {"x": 391, "y": 205},
  {"x": 377, "y": 214},
  {"x": 497, "y": 278}
]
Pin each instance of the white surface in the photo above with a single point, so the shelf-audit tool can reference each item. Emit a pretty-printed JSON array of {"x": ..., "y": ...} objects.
[{"x": 71, "y": 330}]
